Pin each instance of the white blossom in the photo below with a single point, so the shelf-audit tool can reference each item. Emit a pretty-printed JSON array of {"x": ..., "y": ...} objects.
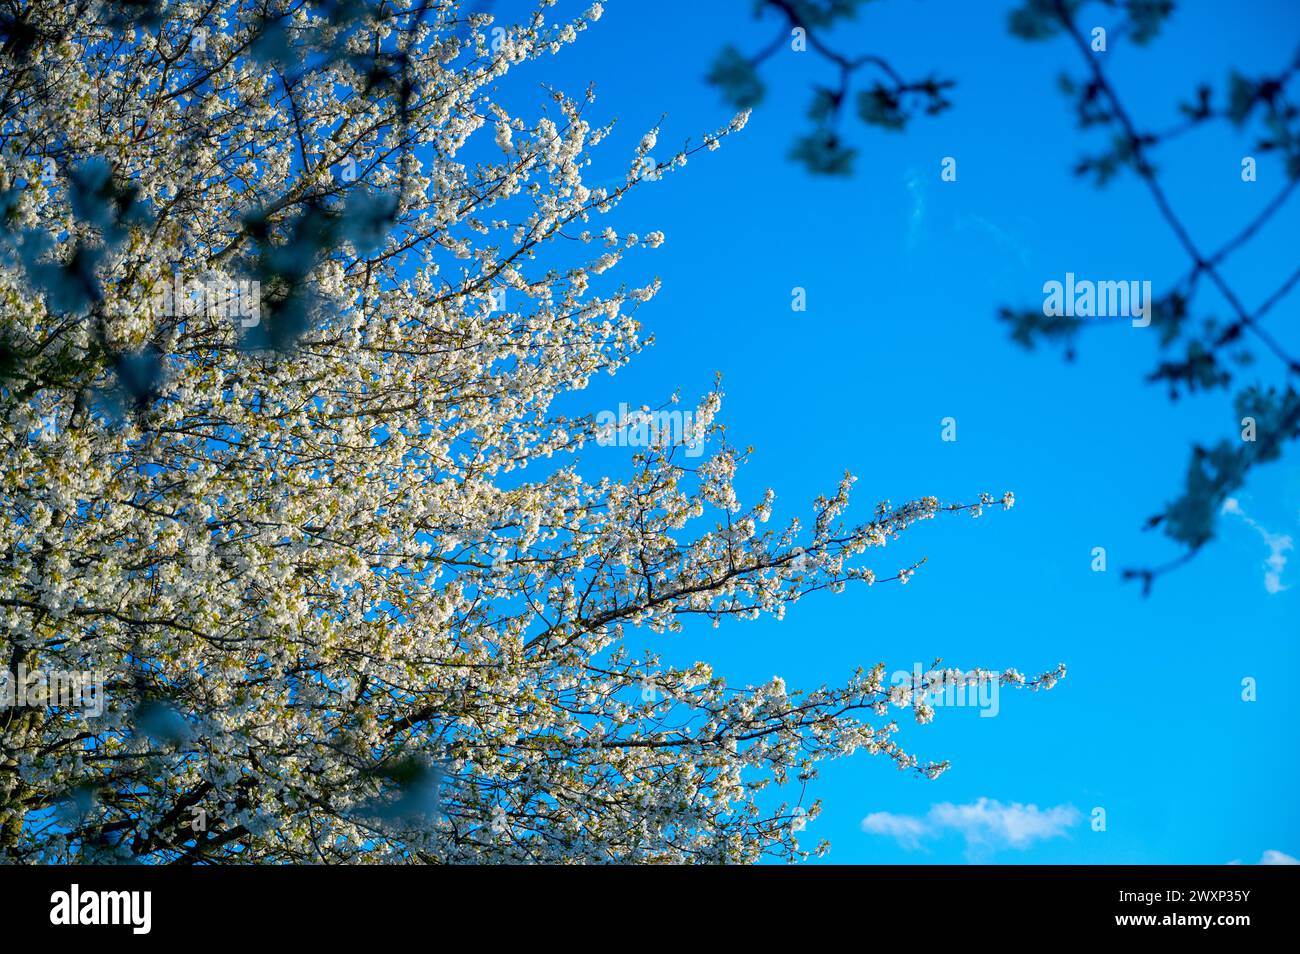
[{"x": 359, "y": 599}]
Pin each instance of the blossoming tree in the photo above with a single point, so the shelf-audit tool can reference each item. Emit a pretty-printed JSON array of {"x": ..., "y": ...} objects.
[{"x": 349, "y": 593}]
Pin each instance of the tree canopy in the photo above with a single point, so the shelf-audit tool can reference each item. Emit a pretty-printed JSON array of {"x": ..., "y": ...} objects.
[{"x": 290, "y": 298}]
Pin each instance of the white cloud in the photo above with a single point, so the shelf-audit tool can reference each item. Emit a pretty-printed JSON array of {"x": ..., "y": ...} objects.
[
  {"x": 986, "y": 824},
  {"x": 915, "y": 186},
  {"x": 1003, "y": 236},
  {"x": 1272, "y": 857},
  {"x": 1278, "y": 545},
  {"x": 906, "y": 828}
]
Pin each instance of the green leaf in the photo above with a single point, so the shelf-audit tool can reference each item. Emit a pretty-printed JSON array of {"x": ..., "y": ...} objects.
[{"x": 736, "y": 77}]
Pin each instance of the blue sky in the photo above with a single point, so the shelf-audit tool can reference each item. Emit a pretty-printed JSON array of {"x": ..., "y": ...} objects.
[{"x": 904, "y": 275}]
